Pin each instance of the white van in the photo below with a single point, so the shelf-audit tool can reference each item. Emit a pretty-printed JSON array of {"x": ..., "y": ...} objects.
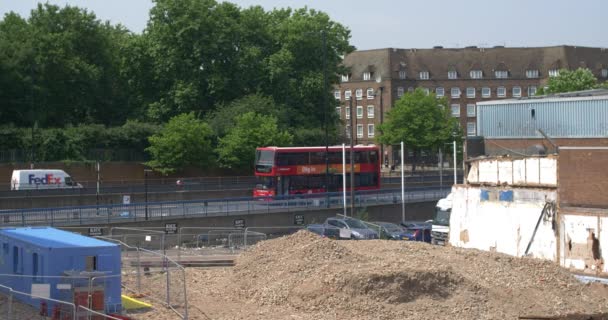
[{"x": 42, "y": 179}]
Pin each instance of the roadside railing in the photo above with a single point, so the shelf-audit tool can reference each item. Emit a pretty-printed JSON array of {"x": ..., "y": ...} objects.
[{"x": 107, "y": 214}]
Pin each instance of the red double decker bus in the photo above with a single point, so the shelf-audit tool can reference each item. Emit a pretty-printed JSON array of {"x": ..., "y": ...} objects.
[{"x": 301, "y": 170}]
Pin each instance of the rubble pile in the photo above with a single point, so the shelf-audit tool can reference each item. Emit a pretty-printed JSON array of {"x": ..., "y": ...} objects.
[{"x": 303, "y": 276}]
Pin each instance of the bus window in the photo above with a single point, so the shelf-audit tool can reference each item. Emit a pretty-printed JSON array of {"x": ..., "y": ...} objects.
[
  {"x": 317, "y": 157},
  {"x": 292, "y": 158},
  {"x": 264, "y": 159}
]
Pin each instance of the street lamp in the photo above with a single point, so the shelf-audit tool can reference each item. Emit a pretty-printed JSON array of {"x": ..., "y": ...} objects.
[
  {"x": 352, "y": 158},
  {"x": 381, "y": 88},
  {"x": 454, "y": 135},
  {"x": 146, "y": 171}
]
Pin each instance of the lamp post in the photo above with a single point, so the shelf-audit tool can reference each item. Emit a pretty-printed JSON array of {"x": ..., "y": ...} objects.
[
  {"x": 325, "y": 106},
  {"x": 146, "y": 171},
  {"x": 352, "y": 162},
  {"x": 381, "y": 88},
  {"x": 454, "y": 134}
]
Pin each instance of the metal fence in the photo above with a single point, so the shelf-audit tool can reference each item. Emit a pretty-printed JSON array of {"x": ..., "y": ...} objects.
[
  {"x": 77, "y": 300},
  {"x": 90, "y": 215}
]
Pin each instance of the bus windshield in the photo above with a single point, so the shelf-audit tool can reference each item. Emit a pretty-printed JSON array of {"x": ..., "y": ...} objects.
[
  {"x": 442, "y": 217},
  {"x": 264, "y": 183}
]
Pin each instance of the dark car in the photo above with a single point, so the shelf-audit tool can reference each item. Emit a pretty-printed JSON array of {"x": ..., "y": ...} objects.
[
  {"x": 389, "y": 231},
  {"x": 324, "y": 230},
  {"x": 418, "y": 231}
]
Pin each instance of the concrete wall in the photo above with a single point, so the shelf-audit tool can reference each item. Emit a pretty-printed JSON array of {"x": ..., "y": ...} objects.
[
  {"x": 502, "y": 226},
  {"x": 585, "y": 239},
  {"x": 391, "y": 213},
  {"x": 580, "y": 234},
  {"x": 532, "y": 171}
]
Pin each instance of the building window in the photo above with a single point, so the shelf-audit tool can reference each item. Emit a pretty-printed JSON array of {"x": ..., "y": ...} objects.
[
  {"x": 604, "y": 73},
  {"x": 486, "y": 92},
  {"x": 471, "y": 129},
  {"x": 426, "y": 91},
  {"x": 424, "y": 75},
  {"x": 348, "y": 131},
  {"x": 470, "y": 92},
  {"x": 345, "y": 78},
  {"x": 370, "y": 130},
  {"x": 402, "y": 74},
  {"x": 501, "y": 74},
  {"x": 531, "y": 91},
  {"x": 359, "y": 131},
  {"x": 455, "y": 92},
  {"x": 476, "y": 74},
  {"x": 337, "y": 95},
  {"x": 370, "y": 93},
  {"x": 470, "y": 110},
  {"x": 370, "y": 111},
  {"x": 440, "y": 92},
  {"x": 339, "y": 112},
  {"x": 399, "y": 91},
  {"x": 501, "y": 92},
  {"x": 347, "y": 94},
  {"x": 347, "y": 113},
  {"x": 532, "y": 74},
  {"x": 455, "y": 110},
  {"x": 410, "y": 89},
  {"x": 367, "y": 75},
  {"x": 553, "y": 73},
  {"x": 516, "y": 92},
  {"x": 359, "y": 94},
  {"x": 359, "y": 112},
  {"x": 452, "y": 75}
]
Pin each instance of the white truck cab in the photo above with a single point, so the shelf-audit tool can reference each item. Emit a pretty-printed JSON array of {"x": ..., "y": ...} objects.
[
  {"x": 441, "y": 221},
  {"x": 38, "y": 179}
]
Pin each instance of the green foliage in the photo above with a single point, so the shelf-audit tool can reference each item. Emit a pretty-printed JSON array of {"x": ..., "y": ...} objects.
[
  {"x": 224, "y": 118},
  {"x": 60, "y": 68},
  {"x": 237, "y": 148},
  {"x": 421, "y": 121},
  {"x": 568, "y": 81},
  {"x": 185, "y": 140}
]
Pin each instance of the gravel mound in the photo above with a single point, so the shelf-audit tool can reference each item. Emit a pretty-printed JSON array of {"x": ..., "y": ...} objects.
[{"x": 303, "y": 276}]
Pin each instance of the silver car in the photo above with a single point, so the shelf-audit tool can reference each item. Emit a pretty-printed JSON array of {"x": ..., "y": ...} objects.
[{"x": 358, "y": 230}]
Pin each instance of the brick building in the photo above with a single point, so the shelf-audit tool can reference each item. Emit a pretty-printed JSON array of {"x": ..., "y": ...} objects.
[{"x": 466, "y": 76}]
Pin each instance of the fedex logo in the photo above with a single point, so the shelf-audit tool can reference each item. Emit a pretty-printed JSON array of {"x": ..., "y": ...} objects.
[{"x": 47, "y": 179}]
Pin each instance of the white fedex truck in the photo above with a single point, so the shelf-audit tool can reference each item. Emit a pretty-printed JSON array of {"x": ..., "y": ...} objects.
[{"x": 36, "y": 179}]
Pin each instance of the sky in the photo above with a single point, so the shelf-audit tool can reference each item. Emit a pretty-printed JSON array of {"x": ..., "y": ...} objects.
[{"x": 411, "y": 24}]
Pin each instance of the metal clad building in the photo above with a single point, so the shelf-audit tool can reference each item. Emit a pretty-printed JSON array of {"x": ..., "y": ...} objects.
[{"x": 560, "y": 116}]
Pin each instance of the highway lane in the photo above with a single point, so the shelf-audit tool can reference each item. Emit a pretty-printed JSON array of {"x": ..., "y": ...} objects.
[{"x": 205, "y": 184}]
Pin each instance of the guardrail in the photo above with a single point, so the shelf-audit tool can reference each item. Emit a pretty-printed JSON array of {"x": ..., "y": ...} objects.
[{"x": 102, "y": 214}]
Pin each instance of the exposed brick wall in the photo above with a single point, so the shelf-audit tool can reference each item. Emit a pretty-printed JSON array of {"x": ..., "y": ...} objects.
[
  {"x": 583, "y": 178},
  {"x": 522, "y": 147}
]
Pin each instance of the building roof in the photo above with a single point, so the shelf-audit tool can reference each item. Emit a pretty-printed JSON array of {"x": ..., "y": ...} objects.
[
  {"x": 53, "y": 238},
  {"x": 438, "y": 61}
]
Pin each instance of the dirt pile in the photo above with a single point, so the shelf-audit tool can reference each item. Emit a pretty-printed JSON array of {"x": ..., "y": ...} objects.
[{"x": 303, "y": 276}]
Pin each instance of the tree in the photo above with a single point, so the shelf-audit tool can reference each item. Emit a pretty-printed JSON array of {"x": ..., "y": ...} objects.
[
  {"x": 237, "y": 148},
  {"x": 567, "y": 81},
  {"x": 185, "y": 140},
  {"x": 224, "y": 117},
  {"x": 421, "y": 121}
]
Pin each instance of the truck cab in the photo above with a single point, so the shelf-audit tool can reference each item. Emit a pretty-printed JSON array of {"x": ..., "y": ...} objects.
[{"x": 441, "y": 221}]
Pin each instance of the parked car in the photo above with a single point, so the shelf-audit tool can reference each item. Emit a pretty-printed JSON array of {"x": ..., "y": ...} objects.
[
  {"x": 358, "y": 230},
  {"x": 324, "y": 230},
  {"x": 389, "y": 231},
  {"x": 418, "y": 231}
]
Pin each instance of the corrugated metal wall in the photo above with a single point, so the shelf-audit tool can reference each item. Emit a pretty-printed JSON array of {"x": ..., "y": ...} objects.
[{"x": 567, "y": 118}]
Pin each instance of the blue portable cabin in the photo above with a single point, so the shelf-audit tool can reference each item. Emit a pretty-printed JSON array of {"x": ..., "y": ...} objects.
[{"x": 60, "y": 264}]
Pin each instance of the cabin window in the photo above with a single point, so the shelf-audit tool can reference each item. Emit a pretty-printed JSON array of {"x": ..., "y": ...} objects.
[{"x": 91, "y": 263}]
